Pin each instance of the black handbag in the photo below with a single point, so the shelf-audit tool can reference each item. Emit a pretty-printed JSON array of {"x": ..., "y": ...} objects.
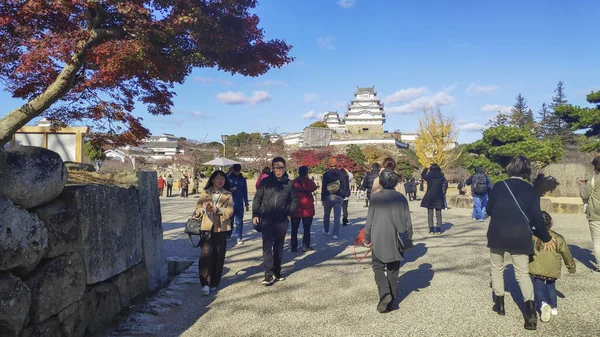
[
  {"x": 403, "y": 242},
  {"x": 258, "y": 226},
  {"x": 193, "y": 227}
]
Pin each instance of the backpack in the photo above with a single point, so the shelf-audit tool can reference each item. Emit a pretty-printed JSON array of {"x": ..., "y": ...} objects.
[
  {"x": 333, "y": 187},
  {"x": 480, "y": 184}
]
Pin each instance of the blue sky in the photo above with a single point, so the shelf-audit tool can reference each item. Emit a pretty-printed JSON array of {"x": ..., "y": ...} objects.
[{"x": 469, "y": 58}]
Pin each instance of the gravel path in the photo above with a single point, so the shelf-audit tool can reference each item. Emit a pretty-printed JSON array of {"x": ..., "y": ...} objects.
[{"x": 444, "y": 285}]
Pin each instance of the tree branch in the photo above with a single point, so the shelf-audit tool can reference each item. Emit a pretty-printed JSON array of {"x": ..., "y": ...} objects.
[{"x": 19, "y": 117}]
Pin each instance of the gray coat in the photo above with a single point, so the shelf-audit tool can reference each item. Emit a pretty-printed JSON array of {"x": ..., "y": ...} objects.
[{"x": 381, "y": 230}]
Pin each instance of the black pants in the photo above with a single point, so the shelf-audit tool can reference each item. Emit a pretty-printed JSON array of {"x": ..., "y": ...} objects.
[
  {"x": 273, "y": 235},
  {"x": 386, "y": 277},
  {"x": 306, "y": 223},
  {"x": 438, "y": 217},
  {"x": 345, "y": 209},
  {"x": 212, "y": 259},
  {"x": 184, "y": 192},
  {"x": 169, "y": 190}
]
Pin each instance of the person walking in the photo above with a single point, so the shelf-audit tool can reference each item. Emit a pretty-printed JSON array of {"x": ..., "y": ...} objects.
[
  {"x": 215, "y": 207},
  {"x": 590, "y": 194},
  {"x": 411, "y": 189},
  {"x": 305, "y": 211},
  {"x": 388, "y": 215},
  {"x": 388, "y": 163},
  {"x": 434, "y": 196},
  {"x": 161, "y": 185},
  {"x": 273, "y": 205},
  {"x": 514, "y": 208},
  {"x": 480, "y": 187},
  {"x": 169, "y": 186},
  {"x": 334, "y": 189},
  {"x": 347, "y": 199},
  {"x": 185, "y": 184},
  {"x": 239, "y": 189},
  {"x": 367, "y": 183},
  {"x": 545, "y": 270},
  {"x": 265, "y": 173}
]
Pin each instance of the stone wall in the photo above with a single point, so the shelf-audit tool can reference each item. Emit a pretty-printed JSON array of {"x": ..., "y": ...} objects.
[
  {"x": 71, "y": 262},
  {"x": 561, "y": 180}
]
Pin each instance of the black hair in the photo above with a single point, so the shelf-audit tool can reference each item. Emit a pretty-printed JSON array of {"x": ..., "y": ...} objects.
[
  {"x": 480, "y": 169},
  {"x": 376, "y": 166},
  {"x": 266, "y": 170},
  {"x": 519, "y": 166},
  {"x": 547, "y": 219},
  {"x": 435, "y": 168},
  {"x": 303, "y": 171},
  {"x": 236, "y": 167},
  {"x": 389, "y": 163},
  {"x": 278, "y": 160},
  {"x": 596, "y": 163},
  {"x": 211, "y": 183},
  {"x": 388, "y": 179}
]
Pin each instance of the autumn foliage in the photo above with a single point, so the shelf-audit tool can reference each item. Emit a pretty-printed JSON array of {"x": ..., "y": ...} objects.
[
  {"x": 437, "y": 139},
  {"x": 93, "y": 61}
]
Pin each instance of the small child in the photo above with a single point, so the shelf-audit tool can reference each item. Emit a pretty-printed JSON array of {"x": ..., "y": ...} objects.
[{"x": 545, "y": 270}]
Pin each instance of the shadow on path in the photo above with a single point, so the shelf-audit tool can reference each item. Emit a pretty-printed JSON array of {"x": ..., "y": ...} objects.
[
  {"x": 414, "y": 280},
  {"x": 583, "y": 255}
]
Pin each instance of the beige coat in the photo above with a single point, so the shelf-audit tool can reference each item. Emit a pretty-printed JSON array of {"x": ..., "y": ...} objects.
[
  {"x": 591, "y": 195},
  {"x": 221, "y": 221},
  {"x": 377, "y": 187}
]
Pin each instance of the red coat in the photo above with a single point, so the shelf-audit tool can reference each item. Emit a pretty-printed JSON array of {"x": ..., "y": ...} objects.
[
  {"x": 306, "y": 203},
  {"x": 161, "y": 183}
]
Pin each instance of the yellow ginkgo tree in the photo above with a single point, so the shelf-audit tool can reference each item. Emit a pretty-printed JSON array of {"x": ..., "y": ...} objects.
[{"x": 437, "y": 139}]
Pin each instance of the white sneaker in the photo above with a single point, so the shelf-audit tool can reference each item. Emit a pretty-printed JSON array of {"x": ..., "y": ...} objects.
[
  {"x": 335, "y": 237},
  {"x": 240, "y": 241},
  {"x": 554, "y": 311},
  {"x": 326, "y": 233},
  {"x": 474, "y": 219},
  {"x": 205, "y": 290},
  {"x": 545, "y": 312}
]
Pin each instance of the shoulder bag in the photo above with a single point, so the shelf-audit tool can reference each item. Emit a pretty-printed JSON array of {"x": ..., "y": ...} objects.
[
  {"x": 403, "y": 242},
  {"x": 193, "y": 227}
]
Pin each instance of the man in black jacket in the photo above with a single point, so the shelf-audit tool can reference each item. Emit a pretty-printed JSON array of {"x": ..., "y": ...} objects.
[
  {"x": 272, "y": 207},
  {"x": 335, "y": 187},
  {"x": 481, "y": 185},
  {"x": 368, "y": 181}
]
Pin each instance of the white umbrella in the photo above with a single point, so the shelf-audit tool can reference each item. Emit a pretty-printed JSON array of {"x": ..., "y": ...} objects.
[{"x": 221, "y": 162}]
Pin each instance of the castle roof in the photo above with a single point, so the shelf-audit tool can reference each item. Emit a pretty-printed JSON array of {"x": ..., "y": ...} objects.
[{"x": 368, "y": 90}]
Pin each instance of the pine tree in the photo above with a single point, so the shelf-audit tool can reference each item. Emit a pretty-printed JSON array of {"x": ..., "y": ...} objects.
[
  {"x": 556, "y": 126},
  {"x": 520, "y": 114},
  {"x": 543, "y": 116},
  {"x": 501, "y": 119}
]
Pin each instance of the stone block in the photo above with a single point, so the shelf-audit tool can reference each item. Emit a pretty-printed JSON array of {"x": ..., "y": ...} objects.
[
  {"x": 131, "y": 284},
  {"x": 546, "y": 205},
  {"x": 15, "y": 300},
  {"x": 60, "y": 217},
  {"x": 74, "y": 166},
  {"x": 74, "y": 319},
  {"x": 152, "y": 231},
  {"x": 460, "y": 201},
  {"x": 48, "y": 328},
  {"x": 2, "y": 160},
  {"x": 23, "y": 238},
  {"x": 103, "y": 304},
  {"x": 32, "y": 176},
  {"x": 178, "y": 265},
  {"x": 111, "y": 233},
  {"x": 54, "y": 285}
]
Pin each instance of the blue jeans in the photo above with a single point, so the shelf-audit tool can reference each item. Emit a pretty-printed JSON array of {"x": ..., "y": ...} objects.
[
  {"x": 335, "y": 202},
  {"x": 238, "y": 220},
  {"x": 545, "y": 291},
  {"x": 479, "y": 203}
]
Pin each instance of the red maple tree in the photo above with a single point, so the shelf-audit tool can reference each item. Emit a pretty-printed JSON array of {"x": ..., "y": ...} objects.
[
  {"x": 310, "y": 157},
  {"x": 348, "y": 163},
  {"x": 93, "y": 60}
]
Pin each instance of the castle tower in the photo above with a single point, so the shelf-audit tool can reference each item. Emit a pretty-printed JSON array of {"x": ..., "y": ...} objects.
[{"x": 365, "y": 112}]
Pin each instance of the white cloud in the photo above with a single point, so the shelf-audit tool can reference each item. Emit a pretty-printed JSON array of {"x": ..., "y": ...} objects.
[
  {"x": 312, "y": 115},
  {"x": 272, "y": 83},
  {"x": 234, "y": 98},
  {"x": 326, "y": 42},
  {"x": 210, "y": 80},
  {"x": 466, "y": 126},
  {"x": 473, "y": 88},
  {"x": 311, "y": 98},
  {"x": 199, "y": 114},
  {"x": 424, "y": 102},
  {"x": 346, "y": 3},
  {"x": 406, "y": 94},
  {"x": 496, "y": 108}
]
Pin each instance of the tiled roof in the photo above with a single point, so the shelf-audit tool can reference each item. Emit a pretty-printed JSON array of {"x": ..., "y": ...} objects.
[
  {"x": 361, "y": 90},
  {"x": 162, "y": 145}
]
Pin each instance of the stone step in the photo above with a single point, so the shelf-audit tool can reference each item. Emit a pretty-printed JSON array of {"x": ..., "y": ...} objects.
[{"x": 461, "y": 201}]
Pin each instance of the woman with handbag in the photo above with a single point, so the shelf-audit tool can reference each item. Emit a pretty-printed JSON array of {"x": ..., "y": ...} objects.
[
  {"x": 305, "y": 211},
  {"x": 590, "y": 193},
  {"x": 215, "y": 208},
  {"x": 437, "y": 185},
  {"x": 388, "y": 225},
  {"x": 514, "y": 208}
]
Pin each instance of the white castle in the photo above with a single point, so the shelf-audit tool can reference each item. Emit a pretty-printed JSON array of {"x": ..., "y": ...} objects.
[{"x": 364, "y": 115}]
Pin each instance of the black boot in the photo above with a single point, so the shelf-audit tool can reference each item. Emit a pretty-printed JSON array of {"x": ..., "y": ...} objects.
[
  {"x": 499, "y": 305},
  {"x": 345, "y": 221},
  {"x": 431, "y": 231},
  {"x": 530, "y": 315}
]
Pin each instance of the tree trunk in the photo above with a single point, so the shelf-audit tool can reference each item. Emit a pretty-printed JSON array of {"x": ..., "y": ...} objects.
[{"x": 19, "y": 117}]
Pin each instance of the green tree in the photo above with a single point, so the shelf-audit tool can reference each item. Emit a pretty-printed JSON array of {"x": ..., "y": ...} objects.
[
  {"x": 520, "y": 114},
  {"x": 500, "y": 119},
  {"x": 587, "y": 119},
  {"x": 93, "y": 152},
  {"x": 556, "y": 126},
  {"x": 544, "y": 115},
  {"x": 319, "y": 124},
  {"x": 355, "y": 153}
]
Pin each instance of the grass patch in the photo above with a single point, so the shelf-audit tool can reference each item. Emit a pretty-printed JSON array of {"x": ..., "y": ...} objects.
[{"x": 121, "y": 179}]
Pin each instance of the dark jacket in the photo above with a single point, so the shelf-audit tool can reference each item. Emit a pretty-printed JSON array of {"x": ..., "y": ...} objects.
[
  {"x": 275, "y": 199},
  {"x": 437, "y": 185},
  {"x": 332, "y": 175},
  {"x": 508, "y": 230},
  {"x": 410, "y": 186},
  {"x": 473, "y": 178},
  {"x": 367, "y": 183},
  {"x": 381, "y": 228},
  {"x": 306, "y": 202},
  {"x": 240, "y": 196}
]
